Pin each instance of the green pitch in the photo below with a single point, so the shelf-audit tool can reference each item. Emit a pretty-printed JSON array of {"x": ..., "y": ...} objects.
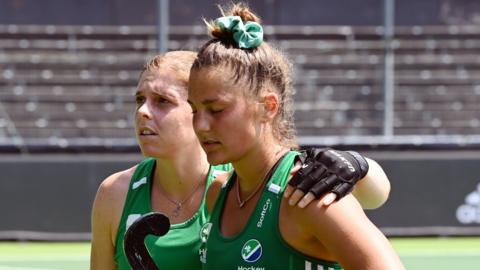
[
  {"x": 416, "y": 254},
  {"x": 44, "y": 256},
  {"x": 439, "y": 253}
]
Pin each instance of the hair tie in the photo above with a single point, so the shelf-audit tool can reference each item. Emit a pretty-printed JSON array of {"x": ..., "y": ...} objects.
[{"x": 247, "y": 36}]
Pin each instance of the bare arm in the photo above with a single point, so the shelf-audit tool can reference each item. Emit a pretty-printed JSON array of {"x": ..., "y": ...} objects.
[
  {"x": 348, "y": 235},
  {"x": 106, "y": 214},
  {"x": 373, "y": 190}
]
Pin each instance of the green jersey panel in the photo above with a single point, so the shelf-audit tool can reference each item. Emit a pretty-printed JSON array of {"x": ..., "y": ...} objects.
[
  {"x": 178, "y": 249},
  {"x": 259, "y": 246}
]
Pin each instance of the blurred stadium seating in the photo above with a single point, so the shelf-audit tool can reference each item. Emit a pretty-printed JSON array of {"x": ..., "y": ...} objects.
[{"x": 73, "y": 85}]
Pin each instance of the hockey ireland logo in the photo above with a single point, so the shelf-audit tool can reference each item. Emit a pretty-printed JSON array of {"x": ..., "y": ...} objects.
[{"x": 251, "y": 251}]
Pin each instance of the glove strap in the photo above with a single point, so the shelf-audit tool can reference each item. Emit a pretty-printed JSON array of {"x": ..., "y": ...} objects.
[{"x": 362, "y": 162}]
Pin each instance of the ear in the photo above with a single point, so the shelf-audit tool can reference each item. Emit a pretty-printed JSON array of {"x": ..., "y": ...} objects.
[{"x": 270, "y": 106}]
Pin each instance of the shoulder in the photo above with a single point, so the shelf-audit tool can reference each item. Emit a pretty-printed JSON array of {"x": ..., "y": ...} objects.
[
  {"x": 116, "y": 185},
  {"x": 320, "y": 218},
  {"x": 327, "y": 224},
  {"x": 215, "y": 188},
  {"x": 331, "y": 226},
  {"x": 111, "y": 195}
]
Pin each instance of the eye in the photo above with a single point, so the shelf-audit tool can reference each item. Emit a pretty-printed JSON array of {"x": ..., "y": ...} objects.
[
  {"x": 162, "y": 100},
  {"x": 139, "y": 100},
  {"x": 215, "y": 111}
]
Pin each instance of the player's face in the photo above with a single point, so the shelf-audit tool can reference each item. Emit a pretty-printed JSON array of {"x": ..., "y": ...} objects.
[
  {"x": 223, "y": 119},
  {"x": 163, "y": 117}
]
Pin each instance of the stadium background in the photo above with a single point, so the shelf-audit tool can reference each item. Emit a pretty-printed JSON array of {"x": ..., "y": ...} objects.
[{"x": 408, "y": 98}]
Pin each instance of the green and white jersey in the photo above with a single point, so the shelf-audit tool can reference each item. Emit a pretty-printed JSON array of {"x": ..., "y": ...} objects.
[
  {"x": 259, "y": 246},
  {"x": 178, "y": 249}
]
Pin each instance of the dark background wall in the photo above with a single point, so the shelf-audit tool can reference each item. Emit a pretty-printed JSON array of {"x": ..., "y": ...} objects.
[
  {"x": 278, "y": 12},
  {"x": 428, "y": 191},
  {"x": 54, "y": 193}
]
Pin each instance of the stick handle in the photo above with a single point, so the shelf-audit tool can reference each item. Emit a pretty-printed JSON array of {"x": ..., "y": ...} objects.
[{"x": 134, "y": 243}]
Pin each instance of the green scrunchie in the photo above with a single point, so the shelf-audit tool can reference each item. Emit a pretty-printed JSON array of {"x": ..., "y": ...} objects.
[{"x": 247, "y": 36}]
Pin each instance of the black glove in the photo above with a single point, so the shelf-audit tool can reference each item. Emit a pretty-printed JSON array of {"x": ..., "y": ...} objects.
[{"x": 326, "y": 170}]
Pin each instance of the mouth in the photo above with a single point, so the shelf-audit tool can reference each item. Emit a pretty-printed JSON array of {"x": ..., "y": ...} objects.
[
  {"x": 145, "y": 131},
  {"x": 210, "y": 144}
]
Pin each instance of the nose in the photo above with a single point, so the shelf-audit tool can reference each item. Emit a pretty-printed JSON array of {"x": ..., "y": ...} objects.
[
  {"x": 201, "y": 122},
  {"x": 144, "y": 110}
]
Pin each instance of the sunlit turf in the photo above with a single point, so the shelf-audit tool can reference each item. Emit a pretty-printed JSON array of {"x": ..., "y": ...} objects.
[{"x": 416, "y": 253}]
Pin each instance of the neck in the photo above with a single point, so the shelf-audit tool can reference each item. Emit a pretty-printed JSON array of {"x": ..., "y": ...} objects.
[
  {"x": 178, "y": 175},
  {"x": 253, "y": 167}
]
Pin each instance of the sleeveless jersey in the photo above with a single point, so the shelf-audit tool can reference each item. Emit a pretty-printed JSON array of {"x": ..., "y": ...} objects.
[
  {"x": 259, "y": 246},
  {"x": 178, "y": 249}
]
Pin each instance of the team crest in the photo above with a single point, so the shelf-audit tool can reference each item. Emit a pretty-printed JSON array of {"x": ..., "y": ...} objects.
[
  {"x": 205, "y": 232},
  {"x": 251, "y": 251}
]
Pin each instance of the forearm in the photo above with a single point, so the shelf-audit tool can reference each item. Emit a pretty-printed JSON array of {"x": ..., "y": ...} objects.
[
  {"x": 102, "y": 247},
  {"x": 373, "y": 190},
  {"x": 101, "y": 259}
]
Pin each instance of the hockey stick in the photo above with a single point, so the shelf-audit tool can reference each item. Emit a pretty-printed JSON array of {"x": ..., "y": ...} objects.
[{"x": 137, "y": 254}]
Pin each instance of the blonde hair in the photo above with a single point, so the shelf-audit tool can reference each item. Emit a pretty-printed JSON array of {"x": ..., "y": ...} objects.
[
  {"x": 257, "y": 67},
  {"x": 177, "y": 62}
]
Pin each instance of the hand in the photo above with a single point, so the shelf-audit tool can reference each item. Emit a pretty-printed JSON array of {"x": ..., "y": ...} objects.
[{"x": 325, "y": 171}]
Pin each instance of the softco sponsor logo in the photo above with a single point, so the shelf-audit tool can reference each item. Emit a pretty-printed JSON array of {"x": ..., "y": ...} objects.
[
  {"x": 251, "y": 251},
  {"x": 265, "y": 208},
  {"x": 469, "y": 212}
]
